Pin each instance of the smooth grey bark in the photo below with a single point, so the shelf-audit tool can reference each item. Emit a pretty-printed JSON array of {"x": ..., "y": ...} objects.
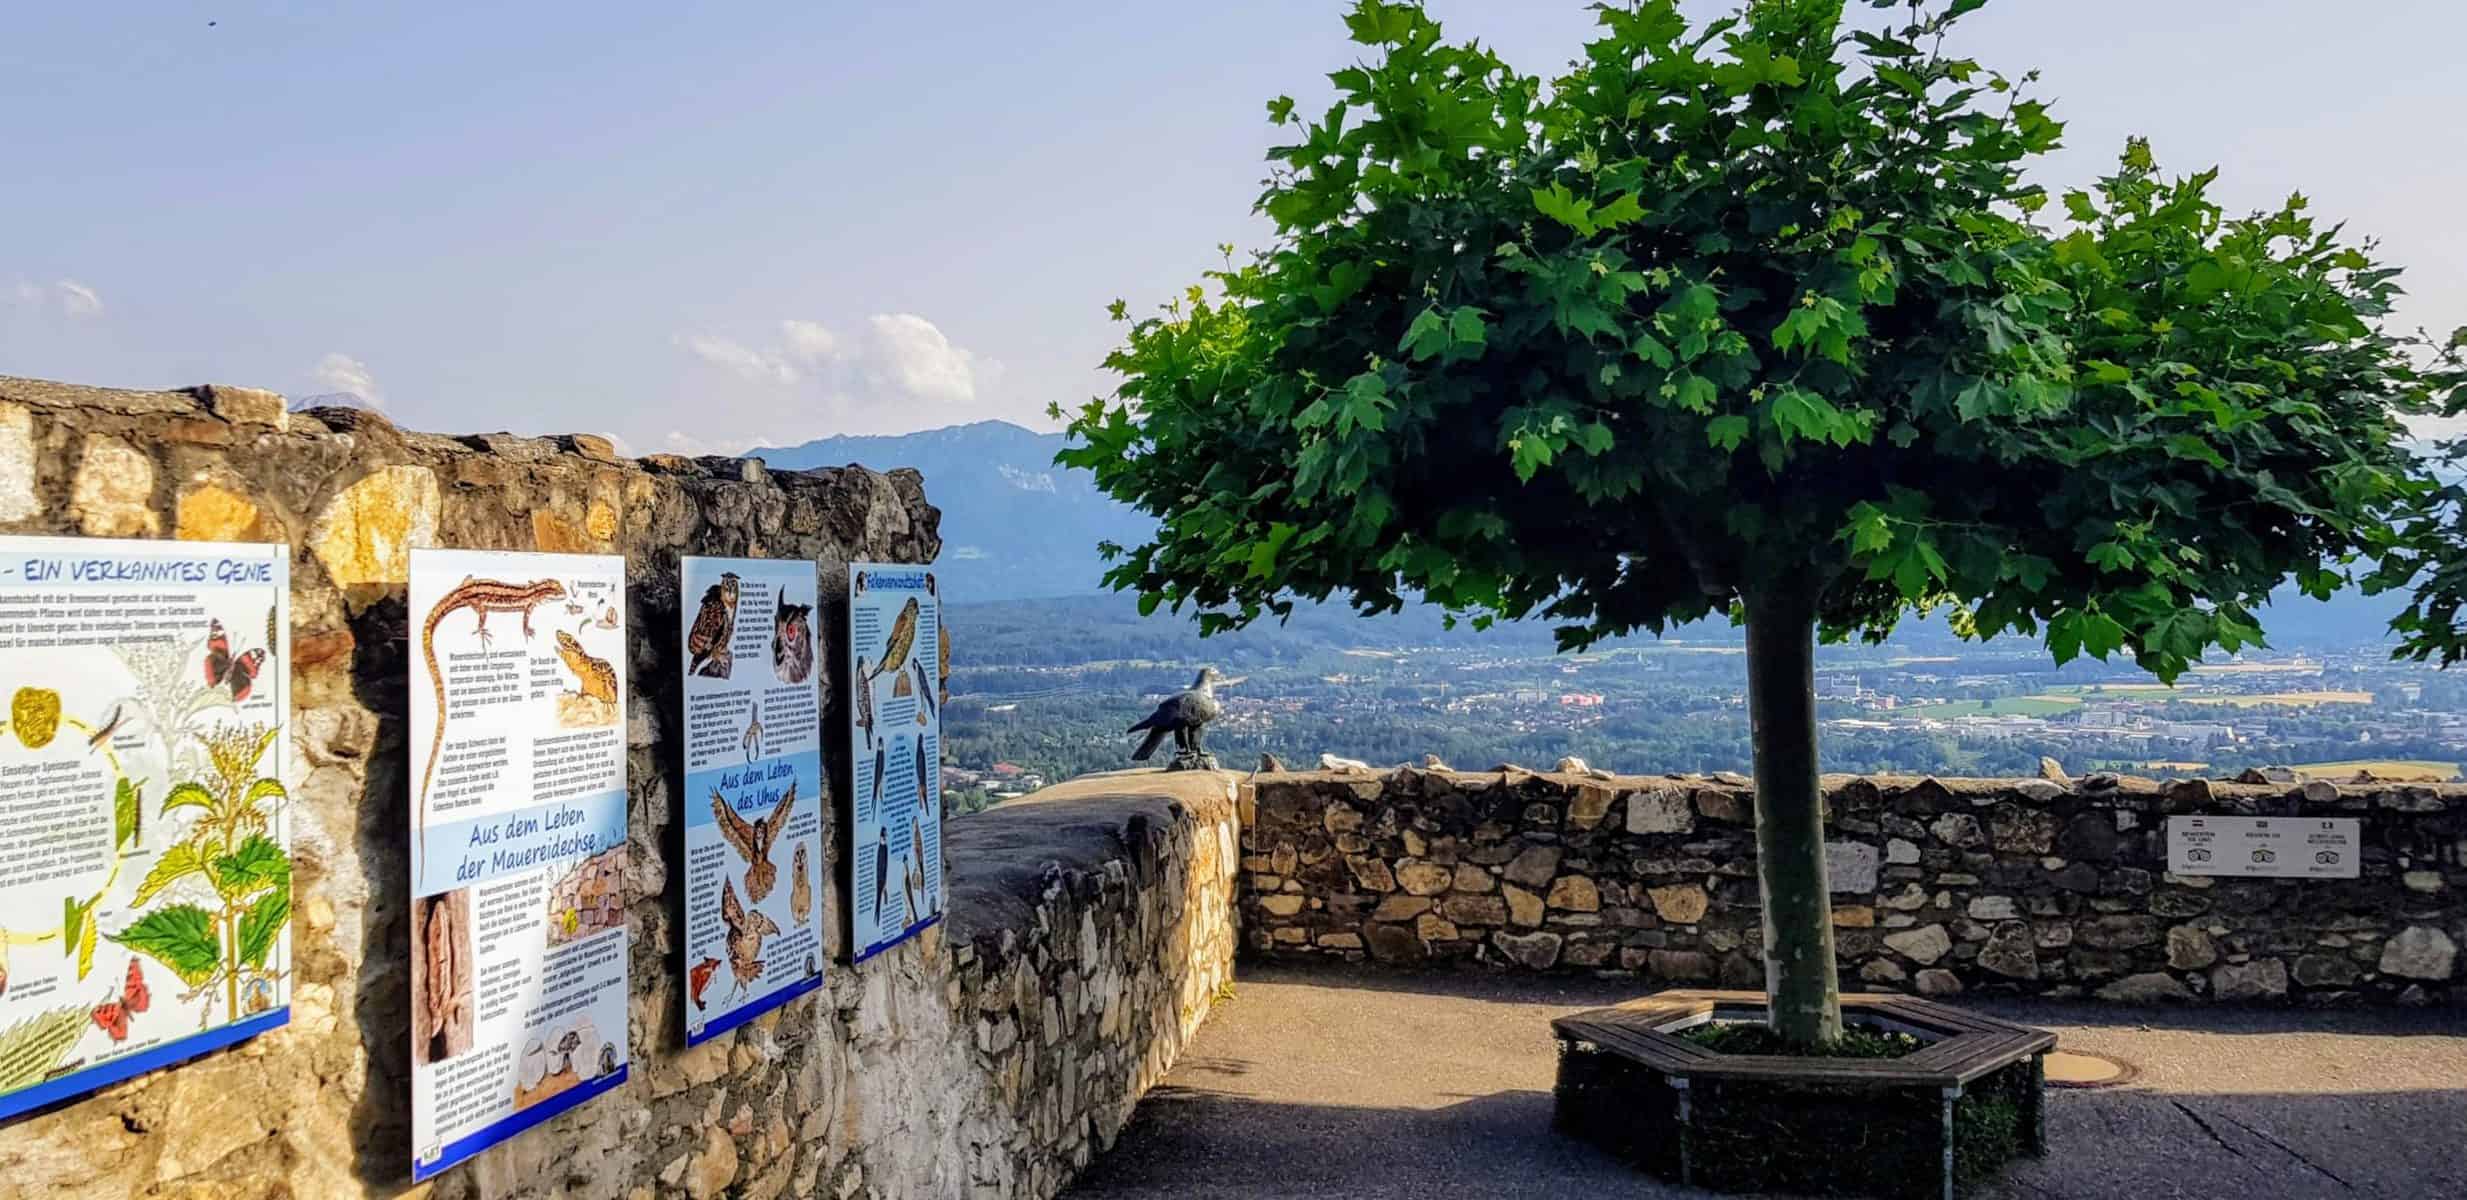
[{"x": 1801, "y": 987}]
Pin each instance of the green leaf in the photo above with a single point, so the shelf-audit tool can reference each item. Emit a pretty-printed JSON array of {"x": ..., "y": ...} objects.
[
  {"x": 1428, "y": 335},
  {"x": 124, "y": 813},
  {"x": 188, "y": 794},
  {"x": 174, "y": 864},
  {"x": 2111, "y": 556},
  {"x": 262, "y": 925},
  {"x": 257, "y": 864},
  {"x": 1280, "y": 110},
  {"x": 180, "y": 936},
  {"x": 1564, "y": 206},
  {"x": 1726, "y": 432},
  {"x": 263, "y": 790},
  {"x": 1465, "y": 327},
  {"x": 1621, "y": 211}
]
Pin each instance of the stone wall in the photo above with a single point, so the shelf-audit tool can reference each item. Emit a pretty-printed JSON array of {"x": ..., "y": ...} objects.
[
  {"x": 1940, "y": 886},
  {"x": 1085, "y": 935}
]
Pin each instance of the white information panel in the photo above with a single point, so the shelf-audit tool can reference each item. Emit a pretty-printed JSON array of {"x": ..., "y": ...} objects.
[
  {"x": 145, "y": 828},
  {"x": 2285, "y": 847},
  {"x": 897, "y": 677},
  {"x": 518, "y": 941},
  {"x": 753, "y": 790}
]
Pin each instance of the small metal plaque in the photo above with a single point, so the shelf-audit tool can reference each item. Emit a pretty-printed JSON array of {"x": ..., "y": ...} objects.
[{"x": 2285, "y": 847}]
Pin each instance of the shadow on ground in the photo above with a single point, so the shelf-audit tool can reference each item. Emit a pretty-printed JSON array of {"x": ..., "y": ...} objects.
[{"x": 1368, "y": 1087}]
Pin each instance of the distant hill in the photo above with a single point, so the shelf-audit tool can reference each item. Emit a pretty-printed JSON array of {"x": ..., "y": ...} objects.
[
  {"x": 1017, "y": 527},
  {"x": 1014, "y": 526}
]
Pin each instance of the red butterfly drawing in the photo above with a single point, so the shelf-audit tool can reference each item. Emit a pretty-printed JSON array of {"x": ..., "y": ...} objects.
[
  {"x": 111, "y": 1016},
  {"x": 223, "y": 669}
]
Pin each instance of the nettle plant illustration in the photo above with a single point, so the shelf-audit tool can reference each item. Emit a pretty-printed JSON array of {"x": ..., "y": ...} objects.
[{"x": 228, "y": 879}]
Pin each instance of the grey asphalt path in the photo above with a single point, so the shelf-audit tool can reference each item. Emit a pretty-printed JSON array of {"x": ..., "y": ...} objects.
[{"x": 1316, "y": 1083}]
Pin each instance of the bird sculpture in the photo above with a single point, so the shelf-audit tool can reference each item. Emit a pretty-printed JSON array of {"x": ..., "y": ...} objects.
[
  {"x": 1183, "y": 716},
  {"x": 706, "y": 644},
  {"x": 753, "y": 839}
]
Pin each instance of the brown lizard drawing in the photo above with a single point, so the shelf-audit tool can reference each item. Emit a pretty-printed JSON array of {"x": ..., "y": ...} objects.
[
  {"x": 482, "y": 597},
  {"x": 596, "y": 677}
]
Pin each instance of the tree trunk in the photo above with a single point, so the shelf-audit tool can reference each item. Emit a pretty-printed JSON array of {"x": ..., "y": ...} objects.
[{"x": 1801, "y": 990}]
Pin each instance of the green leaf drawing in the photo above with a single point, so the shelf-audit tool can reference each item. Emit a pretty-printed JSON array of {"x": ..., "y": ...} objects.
[
  {"x": 85, "y": 947},
  {"x": 173, "y": 865},
  {"x": 180, "y": 937},
  {"x": 32, "y": 1047},
  {"x": 255, "y": 866},
  {"x": 72, "y": 916},
  {"x": 123, "y": 813},
  {"x": 263, "y": 925},
  {"x": 263, "y": 789},
  {"x": 188, "y": 794}
]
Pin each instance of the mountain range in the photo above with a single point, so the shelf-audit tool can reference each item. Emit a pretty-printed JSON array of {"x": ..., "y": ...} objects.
[
  {"x": 1014, "y": 525},
  {"x": 1017, "y": 527}
]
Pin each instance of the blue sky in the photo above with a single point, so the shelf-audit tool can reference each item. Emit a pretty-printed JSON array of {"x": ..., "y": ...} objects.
[{"x": 704, "y": 227}]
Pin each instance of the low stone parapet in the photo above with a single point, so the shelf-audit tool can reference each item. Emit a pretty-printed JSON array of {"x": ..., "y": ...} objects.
[{"x": 1940, "y": 886}]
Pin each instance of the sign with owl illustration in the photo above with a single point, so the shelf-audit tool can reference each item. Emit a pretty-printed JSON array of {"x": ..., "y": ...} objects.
[
  {"x": 898, "y": 670},
  {"x": 753, "y": 789}
]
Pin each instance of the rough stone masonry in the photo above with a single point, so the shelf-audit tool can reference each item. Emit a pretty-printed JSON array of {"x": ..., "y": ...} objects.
[
  {"x": 1086, "y": 936},
  {"x": 1939, "y": 886}
]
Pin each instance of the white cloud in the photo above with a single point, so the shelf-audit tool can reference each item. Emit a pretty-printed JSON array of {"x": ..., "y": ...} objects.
[
  {"x": 66, "y": 297},
  {"x": 740, "y": 358},
  {"x": 340, "y": 372},
  {"x": 895, "y": 371},
  {"x": 912, "y": 355},
  {"x": 810, "y": 341},
  {"x": 76, "y": 299}
]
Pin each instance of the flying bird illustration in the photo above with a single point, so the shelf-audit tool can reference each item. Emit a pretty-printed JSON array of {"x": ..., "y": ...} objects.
[
  {"x": 925, "y": 692},
  {"x": 753, "y": 839},
  {"x": 903, "y": 639},
  {"x": 878, "y": 763},
  {"x": 706, "y": 644},
  {"x": 801, "y": 888},
  {"x": 745, "y": 933},
  {"x": 865, "y": 701},
  {"x": 1182, "y": 715},
  {"x": 922, "y": 796}
]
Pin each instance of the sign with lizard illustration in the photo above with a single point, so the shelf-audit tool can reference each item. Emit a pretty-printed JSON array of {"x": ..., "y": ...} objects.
[
  {"x": 753, "y": 789},
  {"x": 145, "y": 828},
  {"x": 518, "y": 843},
  {"x": 896, "y": 679}
]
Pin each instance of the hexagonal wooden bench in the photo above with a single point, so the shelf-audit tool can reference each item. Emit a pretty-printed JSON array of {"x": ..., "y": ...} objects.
[{"x": 1928, "y": 1124}]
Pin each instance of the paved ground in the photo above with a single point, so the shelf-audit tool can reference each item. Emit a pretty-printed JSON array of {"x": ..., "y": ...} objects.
[{"x": 1319, "y": 1084}]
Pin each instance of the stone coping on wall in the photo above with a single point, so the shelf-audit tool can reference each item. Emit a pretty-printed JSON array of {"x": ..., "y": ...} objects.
[
  {"x": 1004, "y": 863},
  {"x": 1940, "y": 885}
]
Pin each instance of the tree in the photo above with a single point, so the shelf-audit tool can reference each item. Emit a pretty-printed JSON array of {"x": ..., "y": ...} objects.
[{"x": 1758, "y": 318}]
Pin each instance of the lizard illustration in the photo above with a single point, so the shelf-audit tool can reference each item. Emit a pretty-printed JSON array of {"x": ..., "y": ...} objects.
[
  {"x": 596, "y": 678},
  {"x": 482, "y": 597}
]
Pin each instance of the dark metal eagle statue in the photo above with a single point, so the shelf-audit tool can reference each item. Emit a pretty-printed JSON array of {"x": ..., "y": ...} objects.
[{"x": 1183, "y": 716}]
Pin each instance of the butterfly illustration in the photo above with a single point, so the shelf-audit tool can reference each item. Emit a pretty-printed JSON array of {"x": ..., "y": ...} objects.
[
  {"x": 699, "y": 977},
  {"x": 111, "y": 1016},
  {"x": 226, "y": 670}
]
